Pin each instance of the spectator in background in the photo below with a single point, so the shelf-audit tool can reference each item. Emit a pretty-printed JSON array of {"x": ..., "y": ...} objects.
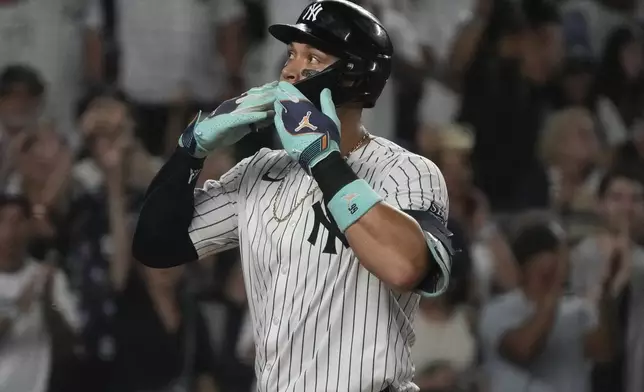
[
  {"x": 196, "y": 47},
  {"x": 162, "y": 341},
  {"x": 138, "y": 323},
  {"x": 41, "y": 176},
  {"x": 492, "y": 261},
  {"x": 619, "y": 87},
  {"x": 504, "y": 101},
  {"x": 21, "y": 99},
  {"x": 574, "y": 85},
  {"x": 587, "y": 23},
  {"x": 466, "y": 42},
  {"x": 107, "y": 120},
  {"x": 47, "y": 37},
  {"x": 570, "y": 153},
  {"x": 536, "y": 339},
  {"x": 107, "y": 185},
  {"x": 631, "y": 154},
  {"x": 612, "y": 250},
  {"x": 38, "y": 313}
]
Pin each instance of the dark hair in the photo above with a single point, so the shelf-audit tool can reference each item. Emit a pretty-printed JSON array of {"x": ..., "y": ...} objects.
[
  {"x": 622, "y": 172},
  {"x": 21, "y": 74},
  {"x": 511, "y": 17},
  {"x": 7, "y": 200},
  {"x": 100, "y": 91},
  {"x": 611, "y": 79},
  {"x": 572, "y": 66},
  {"x": 534, "y": 239}
]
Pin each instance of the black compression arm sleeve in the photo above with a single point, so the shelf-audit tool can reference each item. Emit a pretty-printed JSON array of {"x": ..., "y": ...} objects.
[{"x": 161, "y": 239}]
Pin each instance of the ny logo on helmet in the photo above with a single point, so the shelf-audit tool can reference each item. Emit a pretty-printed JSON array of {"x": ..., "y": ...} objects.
[
  {"x": 312, "y": 12},
  {"x": 305, "y": 123}
]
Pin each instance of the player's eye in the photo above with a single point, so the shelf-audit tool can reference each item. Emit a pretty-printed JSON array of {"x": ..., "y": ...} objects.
[{"x": 314, "y": 60}]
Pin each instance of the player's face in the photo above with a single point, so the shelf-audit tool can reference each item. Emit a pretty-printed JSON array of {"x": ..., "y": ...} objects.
[{"x": 304, "y": 61}]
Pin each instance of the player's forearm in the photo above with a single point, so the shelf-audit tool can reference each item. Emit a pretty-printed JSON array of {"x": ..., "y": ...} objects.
[
  {"x": 161, "y": 239},
  {"x": 387, "y": 242},
  {"x": 390, "y": 245}
]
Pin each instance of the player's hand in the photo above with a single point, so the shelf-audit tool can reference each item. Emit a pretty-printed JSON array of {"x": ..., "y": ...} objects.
[
  {"x": 231, "y": 121},
  {"x": 308, "y": 135}
]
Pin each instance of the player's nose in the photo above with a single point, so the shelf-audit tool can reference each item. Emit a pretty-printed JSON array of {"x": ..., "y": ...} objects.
[{"x": 290, "y": 74}]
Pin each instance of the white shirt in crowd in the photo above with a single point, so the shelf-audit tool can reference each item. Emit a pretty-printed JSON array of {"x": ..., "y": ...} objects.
[
  {"x": 47, "y": 35},
  {"x": 168, "y": 47},
  {"x": 25, "y": 353},
  {"x": 561, "y": 366}
]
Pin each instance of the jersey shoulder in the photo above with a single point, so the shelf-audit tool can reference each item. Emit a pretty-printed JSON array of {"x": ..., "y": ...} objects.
[
  {"x": 396, "y": 161},
  {"x": 265, "y": 165}
]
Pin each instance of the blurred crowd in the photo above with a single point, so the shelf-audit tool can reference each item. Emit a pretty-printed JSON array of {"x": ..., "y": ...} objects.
[{"x": 533, "y": 110}]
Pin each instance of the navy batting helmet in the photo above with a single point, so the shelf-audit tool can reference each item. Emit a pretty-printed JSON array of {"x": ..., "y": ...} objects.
[{"x": 356, "y": 37}]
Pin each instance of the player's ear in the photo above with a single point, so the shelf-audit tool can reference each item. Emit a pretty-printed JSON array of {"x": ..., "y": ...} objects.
[{"x": 328, "y": 107}]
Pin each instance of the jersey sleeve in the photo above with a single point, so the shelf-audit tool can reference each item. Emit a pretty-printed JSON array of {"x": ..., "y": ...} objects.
[
  {"x": 416, "y": 184},
  {"x": 214, "y": 223}
]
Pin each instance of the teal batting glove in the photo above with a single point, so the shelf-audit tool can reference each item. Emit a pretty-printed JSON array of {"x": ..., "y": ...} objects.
[
  {"x": 307, "y": 134},
  {"x": 231, "y": 121}
]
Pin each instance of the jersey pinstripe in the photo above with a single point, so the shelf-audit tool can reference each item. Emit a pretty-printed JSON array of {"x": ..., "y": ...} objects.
[{"x": 321, "y": 321}]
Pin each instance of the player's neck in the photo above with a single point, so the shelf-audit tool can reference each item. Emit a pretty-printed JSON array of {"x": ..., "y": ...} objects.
[{"x": 352, "y": 130}]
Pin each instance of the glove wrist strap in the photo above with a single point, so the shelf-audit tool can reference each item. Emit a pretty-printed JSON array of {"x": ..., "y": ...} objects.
[
  {"x": 189, "y": 160},
  {"x": 348, "y": 197}
]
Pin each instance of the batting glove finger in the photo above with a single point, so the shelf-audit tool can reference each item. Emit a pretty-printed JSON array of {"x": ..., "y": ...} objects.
[
  {"x": 231, "y": 121},
  {"x": 307, "y": 134}
]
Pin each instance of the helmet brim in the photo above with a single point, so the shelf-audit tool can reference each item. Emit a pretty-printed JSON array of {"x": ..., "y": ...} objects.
[{"x": 301, "y": 33}]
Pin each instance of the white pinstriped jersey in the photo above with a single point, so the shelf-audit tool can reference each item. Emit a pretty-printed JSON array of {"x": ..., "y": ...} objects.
[{"x": 321, "y": 321}]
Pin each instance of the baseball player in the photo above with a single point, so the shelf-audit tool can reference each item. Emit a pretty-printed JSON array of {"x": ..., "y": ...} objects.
[{"x": 340, "y": 232}]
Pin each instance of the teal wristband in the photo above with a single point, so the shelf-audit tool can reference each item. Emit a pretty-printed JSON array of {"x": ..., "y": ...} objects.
[{"x": 351, "y": 202}]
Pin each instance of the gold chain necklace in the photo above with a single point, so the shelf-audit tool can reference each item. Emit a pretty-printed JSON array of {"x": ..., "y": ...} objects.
[{"x": 360, "y": 143}]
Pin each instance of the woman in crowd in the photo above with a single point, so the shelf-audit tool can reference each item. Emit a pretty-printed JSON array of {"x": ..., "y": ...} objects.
[
  {"x": 492, "y": 260},
  {"x": 570, "y": 152},
  {"x": 619, "y": 88}
]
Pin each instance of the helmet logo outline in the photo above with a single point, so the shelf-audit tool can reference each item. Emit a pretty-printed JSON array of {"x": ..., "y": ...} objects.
[{"x": 312, "y": 12}]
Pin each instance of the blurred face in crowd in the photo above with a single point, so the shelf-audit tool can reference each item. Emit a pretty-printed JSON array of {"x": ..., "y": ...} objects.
[
  {"x": 631, "y": 59},
  {"x": 106, "y": 121},
  {"x": 543, "y": 52},
  {"x": 38, "y": 156},
  {"x": 576, "y": 87},
  {"x": 578, "y": 145},
  {"x": 623, "y": 203},
  {"x": 541, "y": 270},
  {"x": 13, "y": 236},
  {"x": 457, "y": 171},
  {"x": 18, "y": 107}
]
